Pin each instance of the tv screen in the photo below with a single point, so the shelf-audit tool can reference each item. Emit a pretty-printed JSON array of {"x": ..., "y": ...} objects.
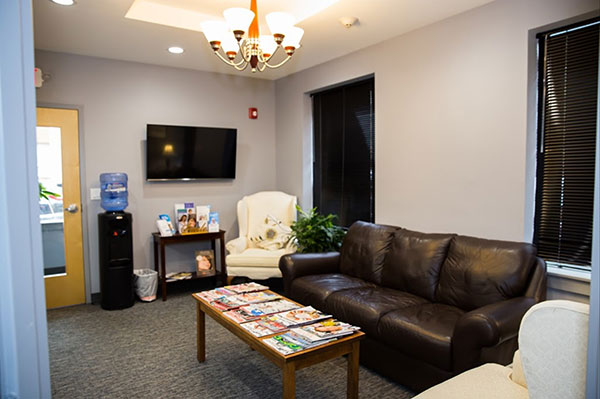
[{"x": 187, "y": 153}]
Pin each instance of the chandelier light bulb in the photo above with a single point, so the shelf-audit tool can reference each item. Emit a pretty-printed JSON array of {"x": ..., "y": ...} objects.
[
  {"x": 293, "y": 37},
  {"x": 279, "y": 22},
  {"x": 238, "y": 20},
  {"x": 214, "y": 31},
  {"x": 230, "y": 45},
  {"x": 267, "y": 45}
]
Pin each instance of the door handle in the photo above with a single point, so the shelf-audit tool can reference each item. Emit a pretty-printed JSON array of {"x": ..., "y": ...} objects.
[{"x": 72, "y": 208}]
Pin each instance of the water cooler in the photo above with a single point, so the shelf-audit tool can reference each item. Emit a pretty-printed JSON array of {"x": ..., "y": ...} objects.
[{"x": 115, "y": 243}]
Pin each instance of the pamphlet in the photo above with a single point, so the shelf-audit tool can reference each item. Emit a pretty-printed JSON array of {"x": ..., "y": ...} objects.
[
  {"x": 202, "y": 214},
  {"x": 213, "y": 222},
  {"x": 163, "y": 228},
  {"x": 167, "y": 219}
]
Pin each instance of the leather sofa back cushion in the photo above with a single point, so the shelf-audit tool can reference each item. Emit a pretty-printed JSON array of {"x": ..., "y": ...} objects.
[
  {"x": 414, "y": 261},
  {"x": 364, "y": 249},
  {"x": 478, "y": 272}
]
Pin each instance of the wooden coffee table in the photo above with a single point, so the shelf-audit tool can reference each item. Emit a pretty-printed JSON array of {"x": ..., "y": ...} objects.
[{"x": 287, "y": 363}]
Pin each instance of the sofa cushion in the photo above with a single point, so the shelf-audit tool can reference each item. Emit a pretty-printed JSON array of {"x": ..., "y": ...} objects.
[
  {"x": 414, "y": 260},
  {"x": 423, "y": 331},
  {"x": 363, "y": 250},
  {"x": 314, "y": 289},
  {"x": 478, "y": 272},
  {"x": 364, "y": 306}
]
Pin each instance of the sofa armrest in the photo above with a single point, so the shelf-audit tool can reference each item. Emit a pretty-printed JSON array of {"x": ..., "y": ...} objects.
[
  {"x": 297, "y": 265},
  {"x": 237, "y": 245},
  {"x": 487, "y": 326}
]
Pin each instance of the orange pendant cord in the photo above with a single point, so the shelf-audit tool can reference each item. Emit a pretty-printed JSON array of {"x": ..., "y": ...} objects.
[{"x": 253, "y": 30}]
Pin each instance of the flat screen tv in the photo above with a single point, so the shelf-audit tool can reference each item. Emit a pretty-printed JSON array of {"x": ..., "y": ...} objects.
[{"x": 190, "y": 153}]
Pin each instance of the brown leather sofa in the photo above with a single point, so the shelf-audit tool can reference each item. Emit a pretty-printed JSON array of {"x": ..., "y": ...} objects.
[{"x": 432, "y": 305}]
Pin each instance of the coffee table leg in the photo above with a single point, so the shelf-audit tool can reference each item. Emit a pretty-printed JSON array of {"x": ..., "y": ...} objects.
[
  {"x": 289, "y": 381},
  {"x": 352, "y": 388},
  {"x": 200, "y": 334}
]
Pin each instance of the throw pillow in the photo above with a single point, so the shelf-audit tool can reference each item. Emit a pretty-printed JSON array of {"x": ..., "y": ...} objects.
[{"x": 273, "y": 235}]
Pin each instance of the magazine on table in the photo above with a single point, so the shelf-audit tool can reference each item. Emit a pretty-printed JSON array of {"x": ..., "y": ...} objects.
[
  {"x": 212, "y": 295},
  {"x": 293, "y": 336},
  {"x": 325, "y": 329},
  {"x": 240, "y": 315},
  {"x": 272, "y": 323},
  {"x": 246, "y": 287},
  {"x": 300, "y": 316},
  {"x": 227, "y": 303},
  {"x": 256, "y": 297},
  {"x": 283, "y": 345},
  {"x": 267, "y": 308},
  {"x": 256, "y": 329}
]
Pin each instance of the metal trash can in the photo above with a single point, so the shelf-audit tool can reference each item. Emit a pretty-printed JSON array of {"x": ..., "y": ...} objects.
[{"x": 146, "y": 284}]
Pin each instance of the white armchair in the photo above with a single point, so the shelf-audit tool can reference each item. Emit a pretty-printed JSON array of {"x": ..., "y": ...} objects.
[
  {"x": 264, "y": 219},
  {"x": 550, "y": 364}
]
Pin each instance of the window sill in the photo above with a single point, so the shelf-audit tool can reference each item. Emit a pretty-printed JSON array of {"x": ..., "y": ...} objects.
[{"x": 578, "y": 275}]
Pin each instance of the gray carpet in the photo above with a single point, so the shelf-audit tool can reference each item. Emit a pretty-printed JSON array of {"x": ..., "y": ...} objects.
[{"x": 149, "y": 351}]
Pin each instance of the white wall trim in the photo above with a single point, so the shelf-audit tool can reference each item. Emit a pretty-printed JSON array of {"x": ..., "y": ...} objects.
[{"x": 24, "y": 365}]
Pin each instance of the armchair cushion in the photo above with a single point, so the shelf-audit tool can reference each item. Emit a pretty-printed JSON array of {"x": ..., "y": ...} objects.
[{"x": 237, "y": 245}]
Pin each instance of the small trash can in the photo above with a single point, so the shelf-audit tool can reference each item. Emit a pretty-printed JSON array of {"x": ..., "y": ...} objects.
[{"x": 146, "y": 283}]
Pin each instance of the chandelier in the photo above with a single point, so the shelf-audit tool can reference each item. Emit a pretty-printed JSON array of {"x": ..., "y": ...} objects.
[{"x": 242, "y": 44}]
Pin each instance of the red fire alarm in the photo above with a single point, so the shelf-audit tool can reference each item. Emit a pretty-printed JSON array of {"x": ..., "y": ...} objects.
[{"x": 252, "y": 113}]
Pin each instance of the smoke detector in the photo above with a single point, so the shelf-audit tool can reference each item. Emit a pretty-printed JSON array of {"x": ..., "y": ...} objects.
[{"x": 348, "y": 21}]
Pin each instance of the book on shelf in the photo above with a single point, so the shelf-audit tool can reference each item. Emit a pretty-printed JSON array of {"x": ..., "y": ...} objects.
[
  {"x": 246, "y": 287},
  {"x": 300, "y": 316},
  {"x": 256, "y": 329},
  {"x": 205, "y": 262},
  {"x": 213, "y": 222},
  {"x": 202, "y": 214},
  {"x": 178, "y": 276},
  {"x": 324, "y": 330}
]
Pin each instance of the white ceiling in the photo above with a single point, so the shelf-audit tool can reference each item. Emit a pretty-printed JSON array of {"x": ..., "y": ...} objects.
[{"x": 99, "y": 28}]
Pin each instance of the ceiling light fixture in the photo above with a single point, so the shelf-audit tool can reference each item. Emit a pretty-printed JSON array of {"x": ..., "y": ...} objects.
[
  {"x": 175, "y": 50},
  {"x": 240, "y": 35},
  {"x": 64, "y": 2}
]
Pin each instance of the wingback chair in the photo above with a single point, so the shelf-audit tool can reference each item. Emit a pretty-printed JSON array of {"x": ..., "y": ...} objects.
[
  {"x": 550, "y": 364},
  {"x": 264, "y": 221}
]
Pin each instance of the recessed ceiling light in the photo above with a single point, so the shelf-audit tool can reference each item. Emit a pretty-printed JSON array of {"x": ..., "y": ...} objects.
[
  {"x": 175, "y": 50},
  {"x": 64, "y": 2}
]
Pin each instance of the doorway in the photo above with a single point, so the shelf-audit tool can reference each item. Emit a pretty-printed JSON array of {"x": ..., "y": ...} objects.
[{"x": 57, "y": 135}]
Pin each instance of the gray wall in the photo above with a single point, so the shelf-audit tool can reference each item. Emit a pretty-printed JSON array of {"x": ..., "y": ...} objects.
[
  {"x": 117, "y": 99},
  {"x": 450, "y": 123}
]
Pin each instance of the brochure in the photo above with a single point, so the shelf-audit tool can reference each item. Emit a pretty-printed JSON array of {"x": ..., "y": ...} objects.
[
  {"x": 167, "y": 219},
  {"x": 185, "y": 215},
  {"x": 202, "y": 213},
  {"x": 213, "y": 222},
  {"x": 163, "y": 228}
]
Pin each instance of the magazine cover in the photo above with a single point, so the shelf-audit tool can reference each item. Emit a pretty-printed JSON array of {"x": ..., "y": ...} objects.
[
  {"x": 256, "y": 329},
  {"x": 240, "y": 315},
  {"x": 256, "y": 297},
  {"x": 282, "y": 345},
  {"x": 212, "y": 295},
  {"x": 226, "y": 303},
  {"x": 292, "y": 336},
  {"x": 213, "y": 222},
  {"x": 205, "y": 262},
  {"x": 272, "y": 323},
  {"x": 266, "y": 308},
  {"x": 304, "y": 315},
  {"x": 202, "y": 213},
  {"x": 246, "y": 287},
  {"x": 326, "y": 329}
]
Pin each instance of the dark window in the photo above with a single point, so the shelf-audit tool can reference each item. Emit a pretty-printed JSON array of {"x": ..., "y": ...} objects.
[
  {"x": 344, "y": 157},
  {"x": 566, "y": 150}
]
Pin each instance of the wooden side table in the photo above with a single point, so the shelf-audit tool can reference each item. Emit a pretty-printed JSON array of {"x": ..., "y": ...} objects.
[{"x": 162, "y": 242}]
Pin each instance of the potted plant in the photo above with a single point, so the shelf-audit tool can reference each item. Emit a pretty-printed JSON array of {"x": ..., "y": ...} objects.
[{"x": 314, "y": 232}]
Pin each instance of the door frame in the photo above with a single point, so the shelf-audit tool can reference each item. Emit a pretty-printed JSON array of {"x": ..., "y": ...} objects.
[{"x": 87, "y": 277}]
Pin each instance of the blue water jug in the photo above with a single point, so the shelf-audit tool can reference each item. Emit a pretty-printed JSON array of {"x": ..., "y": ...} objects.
[{"x": 113, "y": 191}]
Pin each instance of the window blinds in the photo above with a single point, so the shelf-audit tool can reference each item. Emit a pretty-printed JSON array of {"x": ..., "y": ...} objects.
[{"x": 568, "y": 90}]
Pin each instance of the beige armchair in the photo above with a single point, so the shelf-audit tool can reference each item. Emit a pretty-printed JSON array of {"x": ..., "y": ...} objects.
[
  {"x": 264, "y": 221},
  {"x": 550, "y": 364}
]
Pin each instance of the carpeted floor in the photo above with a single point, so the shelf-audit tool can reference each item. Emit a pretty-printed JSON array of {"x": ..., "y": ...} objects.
[{"x": 149, "y": 351}]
